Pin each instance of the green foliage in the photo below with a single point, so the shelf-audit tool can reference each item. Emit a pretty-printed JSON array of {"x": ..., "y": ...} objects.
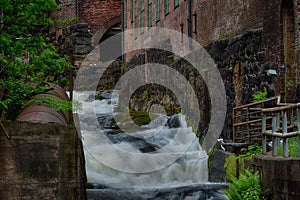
[
  {"x": 145, "y": 95},
  {"x": 260, "y": 96},
  {"x": 27, "y": 59},
  {"x": 290, "y": 85},
  {"x": 172, "y": 109},
  {"x": 54, "y": 103},
  {"x": 246, "y": 187},
  {"x": 231, "y": 68},
  {"x": 171, "y": 59},
  {"x": 250, "y": 151},
  {"x": 123, "y": 68},
  {"x": 66, "y": 22},
  {"x": 293, "y": 147},
  {"x": 230, "y": 165},
  {"x": 245, "y": 160},
  {"x": 226, "y": 36}
]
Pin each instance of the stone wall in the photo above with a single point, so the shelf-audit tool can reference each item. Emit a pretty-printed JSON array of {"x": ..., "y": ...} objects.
[
  {"x": 41, "y": 161},
  {"x": 67, "y": 10},
  {"x": 73, "y": 41},
  {"x": 241, "y": 62}
]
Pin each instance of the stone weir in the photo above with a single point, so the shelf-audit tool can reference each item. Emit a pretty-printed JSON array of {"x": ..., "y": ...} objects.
[
  {"x": 196, "y": 191},
  {"x": 41, "y": 161}
]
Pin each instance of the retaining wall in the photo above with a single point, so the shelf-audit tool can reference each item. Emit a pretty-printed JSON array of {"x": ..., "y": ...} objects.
[{"x": 41, "y": 161}]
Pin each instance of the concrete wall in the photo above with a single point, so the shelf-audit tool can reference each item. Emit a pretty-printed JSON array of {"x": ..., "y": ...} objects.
[
  {"x": 280, "y": 177},
  {"x": 41, "y": 161}
]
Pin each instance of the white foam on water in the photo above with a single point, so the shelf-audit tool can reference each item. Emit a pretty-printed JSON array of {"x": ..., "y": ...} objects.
[{"x": 189, "y": 167}]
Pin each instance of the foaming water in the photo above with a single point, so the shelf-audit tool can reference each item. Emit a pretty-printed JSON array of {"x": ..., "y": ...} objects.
[{"x": 189, "y": 166}]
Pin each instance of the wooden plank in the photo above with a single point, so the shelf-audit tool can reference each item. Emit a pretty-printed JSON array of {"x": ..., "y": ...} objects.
[
  {"x": 280, "y": 135},
  {"x": 257, "y": 103},
  {"x": 282, "y": 108},
  {"x": 249, "y": 122}
]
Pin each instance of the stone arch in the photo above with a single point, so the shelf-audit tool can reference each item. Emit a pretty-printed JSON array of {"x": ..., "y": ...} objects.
[
  {"x": 104, "y": 28},
  {"x": 288, "y": 48}
]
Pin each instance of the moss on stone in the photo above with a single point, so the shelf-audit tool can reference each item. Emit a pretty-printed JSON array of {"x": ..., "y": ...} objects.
[{"x": 172, "y": 109}]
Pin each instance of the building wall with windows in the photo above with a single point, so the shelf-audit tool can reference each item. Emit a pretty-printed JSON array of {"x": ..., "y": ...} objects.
[
  {"x": 245, "y": 38},
  {"x": 210, "y": 19}
]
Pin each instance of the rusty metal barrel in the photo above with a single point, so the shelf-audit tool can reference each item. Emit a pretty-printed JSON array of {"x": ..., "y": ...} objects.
[{"x": 39, "y": 112}]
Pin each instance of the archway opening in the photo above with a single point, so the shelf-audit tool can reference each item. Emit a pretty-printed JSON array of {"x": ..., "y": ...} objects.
[{"x": 115, "y": 45}]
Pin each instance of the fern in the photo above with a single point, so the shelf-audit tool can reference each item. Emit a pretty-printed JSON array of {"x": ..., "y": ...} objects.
[{"x": 246, "y": 187}]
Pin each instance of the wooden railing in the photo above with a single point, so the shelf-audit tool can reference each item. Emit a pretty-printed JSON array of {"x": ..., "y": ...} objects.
[
  {"x": 247, "y": 121},
  {"x": 285, "y": 120}
]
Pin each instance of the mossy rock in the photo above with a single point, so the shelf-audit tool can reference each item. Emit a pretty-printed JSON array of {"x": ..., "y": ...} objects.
[
  {"x": 89, "y": 186},
  {"x": 138, "y": 118},
  {"x": 230, "y": 165}
]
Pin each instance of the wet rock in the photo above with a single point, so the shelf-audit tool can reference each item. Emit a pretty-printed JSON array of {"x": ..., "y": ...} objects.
[
  {"x": 174, "y": 121},
  {"x": 210, "y": 191}
]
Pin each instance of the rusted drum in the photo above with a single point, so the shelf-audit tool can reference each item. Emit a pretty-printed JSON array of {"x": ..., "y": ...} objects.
[
  {"x": 58, "y": 91},
  {"x": 39, "y": 112}
]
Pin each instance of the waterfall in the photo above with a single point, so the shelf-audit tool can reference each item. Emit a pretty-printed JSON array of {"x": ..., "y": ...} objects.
[{"x": 164, "y": 153}]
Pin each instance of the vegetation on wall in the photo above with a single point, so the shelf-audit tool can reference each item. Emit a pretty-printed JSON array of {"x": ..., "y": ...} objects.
[
  {"x": 27, "y": 59},
  {"x": 260, "y": 96}
]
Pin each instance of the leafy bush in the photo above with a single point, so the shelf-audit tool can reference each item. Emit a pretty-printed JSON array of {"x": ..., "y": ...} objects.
[
  {"x": 251, "y": 151},
  {"x": 55, "y": 104},
  {"x": 246, "y": 187},
  {"x": 260, "y": 96},
  {"x": 27, "y": 58}
]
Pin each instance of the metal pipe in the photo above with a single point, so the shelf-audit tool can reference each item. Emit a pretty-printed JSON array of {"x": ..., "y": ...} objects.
[
  {"x": 4, "y": 131},
  {"x": 190, "y": 33},
  {"x": 123, "y": 28},
  {"x": 298, "y": 128}
]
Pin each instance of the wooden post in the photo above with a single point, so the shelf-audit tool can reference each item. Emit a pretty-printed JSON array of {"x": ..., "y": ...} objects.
[
  {"x": 284, "y": 132},
  {"x": 264, "y": 139},
  {"x": 298, "y": 127},
  {"x": 274, "y": 139}
]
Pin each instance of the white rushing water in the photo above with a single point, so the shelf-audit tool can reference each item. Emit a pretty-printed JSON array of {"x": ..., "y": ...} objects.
[{"x": 106, "y": 166}]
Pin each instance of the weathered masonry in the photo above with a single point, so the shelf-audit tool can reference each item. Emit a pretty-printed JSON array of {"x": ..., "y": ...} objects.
[{"x": 41, "y": 161}]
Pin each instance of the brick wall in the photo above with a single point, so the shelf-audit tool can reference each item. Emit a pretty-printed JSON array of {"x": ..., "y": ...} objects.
[
  {"x": 105, "y": 13},
  {"x": 211, "y": 19}
]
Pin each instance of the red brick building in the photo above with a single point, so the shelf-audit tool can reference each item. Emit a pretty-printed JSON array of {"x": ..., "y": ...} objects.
[
  {"x": 101, "y": 16},
  {"x": 212, "y": 20}
]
